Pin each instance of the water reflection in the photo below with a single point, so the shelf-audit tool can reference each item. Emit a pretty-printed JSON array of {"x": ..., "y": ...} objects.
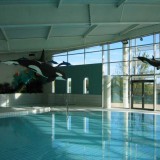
[
  {"x": 107, "y": 135},
  {"x": 81, "y": 135}
]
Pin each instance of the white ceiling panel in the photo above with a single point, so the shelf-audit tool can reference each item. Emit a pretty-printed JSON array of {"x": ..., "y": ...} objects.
[{"x": 56, "y": 25}]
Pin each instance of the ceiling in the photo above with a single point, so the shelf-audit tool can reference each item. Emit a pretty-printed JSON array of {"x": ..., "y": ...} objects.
[{"x": 57, "y": 25}]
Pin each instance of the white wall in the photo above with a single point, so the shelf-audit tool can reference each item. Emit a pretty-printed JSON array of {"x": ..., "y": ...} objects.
[{"x": 18, "y": 99}]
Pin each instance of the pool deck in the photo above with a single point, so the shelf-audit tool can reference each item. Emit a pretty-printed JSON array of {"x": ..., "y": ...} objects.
[{"x": 19, "y": 111}]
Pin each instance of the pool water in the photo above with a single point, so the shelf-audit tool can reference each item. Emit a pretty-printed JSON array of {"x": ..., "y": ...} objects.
[{"x": 81, "y": 136}]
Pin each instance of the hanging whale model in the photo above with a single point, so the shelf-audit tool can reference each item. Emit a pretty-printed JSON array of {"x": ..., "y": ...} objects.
[
  {"x": 153, "y": 62},
  {"x": 39, "y": 67}
]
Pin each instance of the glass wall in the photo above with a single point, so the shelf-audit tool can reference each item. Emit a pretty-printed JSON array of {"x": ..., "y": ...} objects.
[{"x": 113, "y": 59}]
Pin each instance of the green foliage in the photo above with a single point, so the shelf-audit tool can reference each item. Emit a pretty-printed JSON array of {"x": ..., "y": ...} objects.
[{"x": 141, "y": 68}]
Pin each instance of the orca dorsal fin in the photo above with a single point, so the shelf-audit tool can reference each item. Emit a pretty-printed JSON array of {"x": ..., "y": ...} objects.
[
  {"x": 42, "y": 58},
  {"x": 153, "y": 58}
]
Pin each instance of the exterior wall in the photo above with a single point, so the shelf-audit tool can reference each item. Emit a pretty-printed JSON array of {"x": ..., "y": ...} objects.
[
  {"x": 11, "y": 100},
  {"x": 18, "y": 99}
]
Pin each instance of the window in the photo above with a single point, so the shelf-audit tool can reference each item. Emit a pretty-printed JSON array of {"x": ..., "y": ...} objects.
[
  {"x": 76, "y": 59},
  {"x": 93, "y": 55},
  {"x": 59, "y": 58},
  {"x": 69, "y": 81},
  {"x": 53, "y": 86},
  {"x": 86, "y": 86}
]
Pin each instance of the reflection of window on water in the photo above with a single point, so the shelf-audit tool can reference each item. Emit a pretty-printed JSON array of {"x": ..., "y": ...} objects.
[
  {"x": 69, "y": 123},
  {"x": 53, "y": 126},
  {"x": 69, "y": 81},
  {"x": 86, "y": 125},
  {"x": 86, "y": 86}
]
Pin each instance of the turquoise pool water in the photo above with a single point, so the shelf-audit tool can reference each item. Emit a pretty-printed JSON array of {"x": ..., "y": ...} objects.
[{"x": 81, "y": 136}]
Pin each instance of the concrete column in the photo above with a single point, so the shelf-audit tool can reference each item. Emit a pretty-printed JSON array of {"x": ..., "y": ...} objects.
[
  {"x": 155, "y": 86},
  {"x": 107, "y": 92},
  {"x": 106, "y": 83},
  {"x": 125, "y": 73}
]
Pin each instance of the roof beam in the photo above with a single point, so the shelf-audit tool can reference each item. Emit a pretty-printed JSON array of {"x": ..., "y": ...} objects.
[
  {"x": 89, "y": 14},
  {"x": 59, "y": 3},
  {"x": 76, "y": 24},
  {"x": 4, "y": 33},
  {"x": 130, "y": 28},
  {"x": 49, "y": 32},
  {"x": 5, "y": 37},
  {"x": 89, "y": 31},
  {"x": 120, "y": 2}
]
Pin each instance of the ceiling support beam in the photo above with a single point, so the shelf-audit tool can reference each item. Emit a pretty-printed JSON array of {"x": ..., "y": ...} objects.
[
  {"x": 8, "y": 46},
  {"x": 59, "y": 3},
  {"x": 4, "y": 33},
  {"x": 5, "y": 37},
  {"x": 89, "y": 14},
  {"x": 130, "y": 28},
  {"x": 77, "y": 24},
  {"x": 89, "y": 31},
  {"x": 49, "y": 32},
  {"x": 118, "y": 4}
]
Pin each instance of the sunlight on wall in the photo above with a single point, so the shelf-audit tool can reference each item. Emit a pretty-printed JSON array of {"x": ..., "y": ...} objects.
[
  {"x": 17, "y": 95},
  {"x": 5, "y": 104}
]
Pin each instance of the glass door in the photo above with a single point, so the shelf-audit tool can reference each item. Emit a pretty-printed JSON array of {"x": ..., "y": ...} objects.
[{"x": 142, "y": 94}]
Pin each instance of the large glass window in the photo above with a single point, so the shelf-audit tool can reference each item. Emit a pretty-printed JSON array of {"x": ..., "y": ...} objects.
[
  {"x": 59, "y": 58},
  {"x": 93, "y": 57},
  {"x": 144, "y": 40},
  {"x": 93, "y": 49},
  {"x": 76, "y": 57},
  {"x": 114, "y": 62},
  {"x": 116, "y": 45},
  {"x": 116, "y": 55}
]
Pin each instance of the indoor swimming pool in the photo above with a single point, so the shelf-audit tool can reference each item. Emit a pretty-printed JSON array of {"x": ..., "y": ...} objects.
[{"x": 89, "y": 135}]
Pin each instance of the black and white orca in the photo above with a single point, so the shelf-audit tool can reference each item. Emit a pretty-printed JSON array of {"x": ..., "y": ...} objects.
[
  {"x": 43, "y": 69},
  {"x": 153, "y": 61}
]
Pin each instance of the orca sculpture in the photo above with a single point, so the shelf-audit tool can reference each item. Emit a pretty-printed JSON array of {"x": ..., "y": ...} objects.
[
  {"x": 63, "y": 63},
  {"x": 153, "y": 61},
  {"x": 45, "y": 70}
]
